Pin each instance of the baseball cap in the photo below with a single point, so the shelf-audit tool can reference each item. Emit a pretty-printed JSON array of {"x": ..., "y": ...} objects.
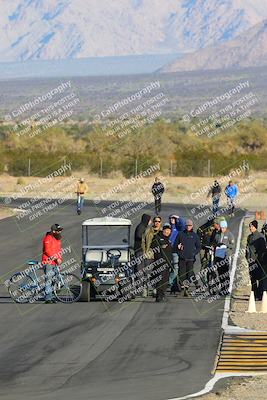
[
  {"x": 189, "y": 222},
  {"x": 167, "y": 226},
  {"x": 56, "y": 227}
]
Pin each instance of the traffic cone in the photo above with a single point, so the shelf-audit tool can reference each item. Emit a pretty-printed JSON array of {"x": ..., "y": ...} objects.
[
  {"x": 252, "y": 303},
  {"x": 264, "y": 303}
]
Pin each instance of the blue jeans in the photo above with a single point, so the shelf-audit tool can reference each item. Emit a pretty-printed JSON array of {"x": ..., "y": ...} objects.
[
  {"x": 80, "y": 202},
  {"x": 174, "y": 273},
  {"x": 49, "y": 271}
]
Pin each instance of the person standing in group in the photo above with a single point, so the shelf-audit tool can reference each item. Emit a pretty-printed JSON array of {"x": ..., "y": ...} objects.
[
  {"x": 177, "y": 225},
  {"x": 223, "y": 248},
  {"x": 139, "y": 231},
  {"x": 215, "y": 192},
  {"x": 163, "y": 261},
  {"x": 205, "y": 232},
  {"x": 52, "y": 256},
  {"x": 256, "y": 255},
  {"x": 188, "y": 245},
  {"x": 216, "y": 229},
  {"x": 157, "y": 191},
  {"x": 81, "y": 190},
  {"x": 231, "y": 192},
  {"x": 147, "y": 250}
]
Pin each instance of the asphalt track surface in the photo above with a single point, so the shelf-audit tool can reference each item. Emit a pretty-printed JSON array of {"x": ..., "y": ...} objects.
[{"x": 135, "y": 351}]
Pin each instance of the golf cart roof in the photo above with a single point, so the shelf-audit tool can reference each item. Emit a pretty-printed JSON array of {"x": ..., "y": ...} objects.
[{"x": 107, "y": 221}]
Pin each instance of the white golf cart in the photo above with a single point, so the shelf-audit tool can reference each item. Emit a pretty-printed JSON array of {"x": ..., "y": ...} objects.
[{"x": 106, "y": 252}]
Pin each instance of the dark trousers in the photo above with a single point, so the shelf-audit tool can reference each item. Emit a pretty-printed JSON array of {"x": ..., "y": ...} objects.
[
  {"x": 157, "y": 205},
  {"x": 215, "y": 204},
  {"x": 257, "y": 280},
  {"x": 222, "y": 265},
  {"x": 162, "y": 277},
  {"x": 186, "y": 271}
]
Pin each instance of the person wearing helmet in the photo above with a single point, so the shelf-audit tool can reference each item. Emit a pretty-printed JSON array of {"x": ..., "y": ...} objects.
[
  {"x": 224, "y": 244},
  {"x": 51, "y": 257},
  {"x": 82, "y": 188}
]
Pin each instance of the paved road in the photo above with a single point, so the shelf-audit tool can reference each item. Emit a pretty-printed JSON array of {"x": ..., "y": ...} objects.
[{"x": 99, "y": 351}]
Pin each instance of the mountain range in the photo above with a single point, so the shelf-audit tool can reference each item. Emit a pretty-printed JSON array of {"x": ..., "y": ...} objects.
[
  {"x": 69, "y": 29},
  {"x": 248, "y": 50}
]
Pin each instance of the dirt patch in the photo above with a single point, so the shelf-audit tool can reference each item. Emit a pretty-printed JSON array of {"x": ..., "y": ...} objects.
[
  {"x": 186, "y": 190},
  {"x": 252, "y": 388},
  {"x": 6, "y": 212}
]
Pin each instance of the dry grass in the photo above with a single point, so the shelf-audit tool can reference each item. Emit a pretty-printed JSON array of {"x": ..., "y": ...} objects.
[{"x": 178, "y": 189}]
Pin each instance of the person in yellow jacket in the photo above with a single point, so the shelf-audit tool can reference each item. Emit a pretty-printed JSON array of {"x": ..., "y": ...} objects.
[{"x": 82, "y": 188}]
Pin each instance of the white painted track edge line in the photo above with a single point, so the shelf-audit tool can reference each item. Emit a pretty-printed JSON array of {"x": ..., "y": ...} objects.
[{"x": 225, "y": 326}]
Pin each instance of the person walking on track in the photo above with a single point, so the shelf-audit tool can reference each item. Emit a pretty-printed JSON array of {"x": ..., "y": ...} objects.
[
  {"x": 231, "y": 192},
  {"x": 215, "y": 192},
  {"x": 81, "y": 190},
  {"x": 157, "y": 190},
  {"x": 188, "y": 245}
]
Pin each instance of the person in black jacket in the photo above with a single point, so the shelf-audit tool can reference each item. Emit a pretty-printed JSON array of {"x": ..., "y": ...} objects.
[
  {"x": 139, "y": 231},
  {"x": 215, "y": 192},
  {"x": 188, "y": 245},
  {"x": 157, "y": 190},
  {"x": 205, "y": 232},
  {"x": 162, "y": 261},
  {"x": 256, "y": 255}
]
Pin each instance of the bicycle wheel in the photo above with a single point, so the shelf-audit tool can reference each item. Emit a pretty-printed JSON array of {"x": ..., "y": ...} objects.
[
  {"x": 68, "y": 288},
  {"x": 21, "y": 288}
]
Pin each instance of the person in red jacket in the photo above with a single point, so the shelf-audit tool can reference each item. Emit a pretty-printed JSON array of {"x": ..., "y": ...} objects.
[{"x": 52, "y": 256}]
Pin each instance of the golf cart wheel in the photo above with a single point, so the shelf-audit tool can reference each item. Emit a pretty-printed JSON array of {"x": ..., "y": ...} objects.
[
  {"x": 21, "y": 288},
  {"x": 86, "y": 292},
  {"x": 69, "y": 290}
]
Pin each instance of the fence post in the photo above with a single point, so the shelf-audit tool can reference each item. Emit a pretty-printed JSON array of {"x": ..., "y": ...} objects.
[
  {"x": 101, "y": 167},
  {"x": 209, "y": 168},
  {"x": 29, "y": 167}
]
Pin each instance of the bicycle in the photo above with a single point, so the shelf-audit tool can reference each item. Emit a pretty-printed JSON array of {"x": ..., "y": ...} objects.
[
  {"x": 231, "y": 205},
  {"x": 25, "y": 287}
]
